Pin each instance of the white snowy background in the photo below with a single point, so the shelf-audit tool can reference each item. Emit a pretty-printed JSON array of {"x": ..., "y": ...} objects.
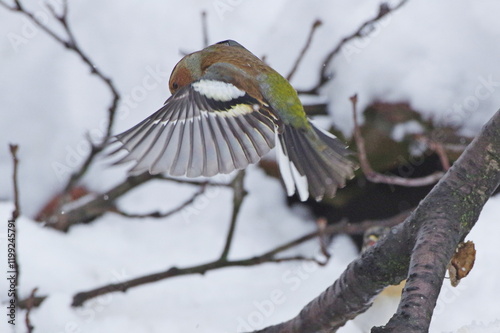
[{"x": 442, "y": 57}]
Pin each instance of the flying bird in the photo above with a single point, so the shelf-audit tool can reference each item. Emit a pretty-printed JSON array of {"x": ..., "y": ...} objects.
[{"x": 227, "y": 110}]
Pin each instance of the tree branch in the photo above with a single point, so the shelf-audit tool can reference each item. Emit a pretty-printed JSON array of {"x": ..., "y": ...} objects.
[
  {"x": 92, "y": 208},
  {"x": 376, "y": 177},
  {"x": 448, "y": 214},
  {"x": 15, "y": 163},
  {"x": 158, "y": 214},
  {"x": 362, "y": 31},
  {"x": 15, "y": 214},
  {"x": 418, "y": 249},
  {"x": 34, "y": 302},
  {"x": 302, "y": 53},
  {"x": 29, "y": 305},
  {"x": 269, "y": 256},
  {"x": 439, "y": 149},
  {"x": 204, "y": 28},
  {"x": 239, "y": 194},
  {"x": 316, "y": 109}
]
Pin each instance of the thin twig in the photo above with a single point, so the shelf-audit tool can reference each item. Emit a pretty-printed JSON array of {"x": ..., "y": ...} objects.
[
  {"x": 82, "y": 297},
  {"x": 239, "y": 194},
  {"x": 322, "y": 223},
  {"x": 15, "y": 214},
  {"x": 439, "y": 149},
  {"x": 29, "y": 305},
  {"x": 302, "y": 53},
  {"x": 362, "y": 31},
  {"x": 318, "y": 109},
  {"x": 190, "y": 182},
  {"x": 454, "y": 147},
  {"x": 158, "y": 214},
  {"x": 15, "y": 161},
  {"x": 376, "y": 177},
  {"x": 204, "y": 28},
  {"x": 440, "y": 222},
  {"x": 35, "y": 302},
  {"x": 271, "y": 256}
]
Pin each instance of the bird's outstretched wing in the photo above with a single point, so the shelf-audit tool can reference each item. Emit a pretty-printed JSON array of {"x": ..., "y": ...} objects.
[{"x": 205, "y": 128}]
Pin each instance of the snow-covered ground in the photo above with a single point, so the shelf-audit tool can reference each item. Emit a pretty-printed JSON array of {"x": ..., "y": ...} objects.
[{"x": 439, "y": 56}]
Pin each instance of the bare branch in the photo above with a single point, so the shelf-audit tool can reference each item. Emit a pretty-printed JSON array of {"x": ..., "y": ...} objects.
[
  {"x": 269, "y": 256},
  {"x": 29, "y": 305},
  {"x": 34, "y": 302},
  {"x": 91, "y": 209},
  {"x": 439, "y": 149},
  {"x": 362, "y": 31},
  {"x": 302, "y": 53},
  {"x": 239, "y": 194},
  {"x": 316, "y": 109},
  {"x": 204, "y": 28},
  {"x": 323, "y": 239},
  {"x": 15, "y": 162},
  {"x": 15, "y": 214},
  {"x": 82, "y": 297},
  {"x": 272, "y": 255},
  {"x": 376, "y": 177},
  {"x": 158, "y": 214},
  {"x": 444, "y": 218},
  {"x": 190, "y": 182}
]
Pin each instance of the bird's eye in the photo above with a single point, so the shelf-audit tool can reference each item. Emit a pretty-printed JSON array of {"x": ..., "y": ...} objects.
[{"x": 175, "y": 85}]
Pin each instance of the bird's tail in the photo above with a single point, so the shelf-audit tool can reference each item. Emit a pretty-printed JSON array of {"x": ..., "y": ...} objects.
[{"x": 313, "y": 162}]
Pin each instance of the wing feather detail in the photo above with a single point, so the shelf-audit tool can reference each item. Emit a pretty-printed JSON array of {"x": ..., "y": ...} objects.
[{"x": 199, "y": 135}]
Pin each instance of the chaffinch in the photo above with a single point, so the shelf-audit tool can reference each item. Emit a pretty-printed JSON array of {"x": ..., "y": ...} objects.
[{"x": 227, "y": 110}]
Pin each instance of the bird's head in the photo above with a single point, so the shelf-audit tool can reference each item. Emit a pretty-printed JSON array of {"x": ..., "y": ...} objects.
[{"x": 186, "y": 71}]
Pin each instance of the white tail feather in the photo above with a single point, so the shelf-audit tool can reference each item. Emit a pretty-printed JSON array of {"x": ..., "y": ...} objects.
[{"x": 291, "y": 177}]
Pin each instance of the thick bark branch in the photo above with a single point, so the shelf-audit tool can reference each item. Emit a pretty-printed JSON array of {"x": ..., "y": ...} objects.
[
  {"x": 90, "y": 209},
  {"x": 443, "y": 219},
  {"x": 418, "y": 249},
  {"x": 97, "y": 206}
]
